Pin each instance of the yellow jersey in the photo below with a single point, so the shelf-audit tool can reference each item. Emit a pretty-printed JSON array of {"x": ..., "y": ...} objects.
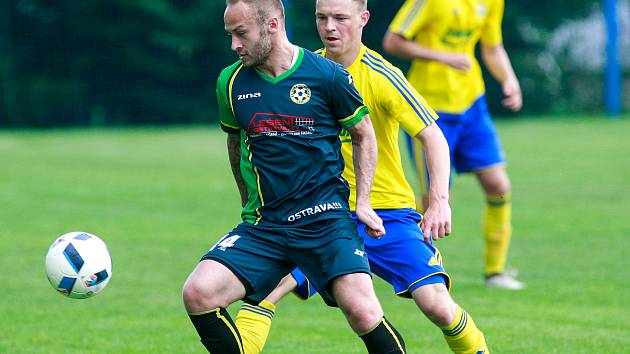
[
  {"x": 393, "y": 103},
  {"x": 453, "y": 26}
]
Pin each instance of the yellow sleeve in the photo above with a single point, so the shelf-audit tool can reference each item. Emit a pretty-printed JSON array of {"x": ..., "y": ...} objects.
[
  {"x": 491, "y": 34},
  {"x": 410, "y": 19},
  {"x": 406, "y": 105}
]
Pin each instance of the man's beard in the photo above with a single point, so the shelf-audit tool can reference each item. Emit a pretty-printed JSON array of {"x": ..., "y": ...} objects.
[{"x": 260, "y": 53}]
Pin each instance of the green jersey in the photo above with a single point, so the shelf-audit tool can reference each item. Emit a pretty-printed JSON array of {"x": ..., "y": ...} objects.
[{"x": 289, "y": 125}]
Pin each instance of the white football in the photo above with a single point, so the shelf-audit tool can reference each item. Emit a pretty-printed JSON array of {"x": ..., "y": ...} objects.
[{"x": 78, "y": 265}]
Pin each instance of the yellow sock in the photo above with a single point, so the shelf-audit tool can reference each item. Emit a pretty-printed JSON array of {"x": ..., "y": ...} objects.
[
  {"x": 497, "y": 231},
  {"x": 254, "y": 323},
  {"x": 463, "y": 336}
]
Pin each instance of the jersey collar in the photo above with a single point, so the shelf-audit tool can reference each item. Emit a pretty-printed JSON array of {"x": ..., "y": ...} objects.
[
  {"x": 296, "y": 64},
  {"x": 358, "y": 58}
]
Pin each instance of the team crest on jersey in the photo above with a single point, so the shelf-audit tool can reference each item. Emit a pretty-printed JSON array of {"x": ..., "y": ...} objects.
[{"x": 300, "y": 93}]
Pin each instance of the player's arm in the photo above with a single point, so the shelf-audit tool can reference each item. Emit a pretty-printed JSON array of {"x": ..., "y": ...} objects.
[
  {"x": 436, "y": 222},
  {"x": 397, "y": 45},
  {"x": 496, "y": 58},
  {"x": 498, "y": 63},
  {"x": 346, "y": 102},
  {"x": 230, "y": 125},
  {"x": 364, "y": 155},
  {"x": 417, "y": 118},
  {"x": 234, "y": 154}
]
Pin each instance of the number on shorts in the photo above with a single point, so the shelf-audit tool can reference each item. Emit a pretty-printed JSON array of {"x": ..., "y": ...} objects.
[{"x": 226, "y": 242}]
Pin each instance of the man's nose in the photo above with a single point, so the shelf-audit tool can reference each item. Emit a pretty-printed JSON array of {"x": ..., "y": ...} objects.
[
  {"x": 236, "y": 43},
  {"x": 330, "y": 26}
]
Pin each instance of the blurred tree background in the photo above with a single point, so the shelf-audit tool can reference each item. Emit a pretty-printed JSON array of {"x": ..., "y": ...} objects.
[{"x": 118, "y": 62}]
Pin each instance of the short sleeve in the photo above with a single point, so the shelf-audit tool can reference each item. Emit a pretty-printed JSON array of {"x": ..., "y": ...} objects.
[
  {"x": 406, "y": 105},
  {"x": 347, "y": 104},
  {"x": 229, "y": 124},
  {"x": 411, "y": 17},
  {"x": 491, "y": 34}
]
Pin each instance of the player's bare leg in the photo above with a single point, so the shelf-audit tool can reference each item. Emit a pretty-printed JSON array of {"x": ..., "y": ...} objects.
[
  {"x": 286, "y": 285},
  {"x": 209, "y": 289},
  {"x": 497, "y": 226},
  {"x": 459, "y": 329},
  {"x": 355, "y": 296}
]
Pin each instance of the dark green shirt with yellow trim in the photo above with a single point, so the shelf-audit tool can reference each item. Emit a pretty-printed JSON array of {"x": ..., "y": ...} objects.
[{"x": 289, "y": 125}]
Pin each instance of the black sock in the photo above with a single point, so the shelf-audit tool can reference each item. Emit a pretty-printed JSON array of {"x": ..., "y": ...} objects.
[
  {"x": 384, "y": 339},
  {"x": 218, "y": 332}
]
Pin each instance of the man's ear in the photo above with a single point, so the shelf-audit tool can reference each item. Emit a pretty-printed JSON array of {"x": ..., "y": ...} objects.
[
  {"x": 273, "y": 25},
  {"x": 365, "y": 17}
]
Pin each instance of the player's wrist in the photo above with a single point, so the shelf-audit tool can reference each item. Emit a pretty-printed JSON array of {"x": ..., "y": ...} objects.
[
  {"x": 438, "y": 197},
  {"x": 363, "y": 204}
]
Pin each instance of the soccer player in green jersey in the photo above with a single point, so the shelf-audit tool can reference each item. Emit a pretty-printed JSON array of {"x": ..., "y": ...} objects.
[
  {"x": 406, "y": 258},
  {"x": 283, "y": 108},
  {"x": 440, "y": 36}
]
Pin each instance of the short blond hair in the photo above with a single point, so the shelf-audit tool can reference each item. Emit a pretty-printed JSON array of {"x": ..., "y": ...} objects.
[{"x": 362, "y": 4}]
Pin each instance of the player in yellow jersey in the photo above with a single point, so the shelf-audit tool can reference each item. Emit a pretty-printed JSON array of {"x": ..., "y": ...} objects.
[
  {"x": 440, "y": 36},
  {"x": 405, "y": 257}
]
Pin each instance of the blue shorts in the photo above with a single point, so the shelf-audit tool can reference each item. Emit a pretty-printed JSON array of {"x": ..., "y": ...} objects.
[
  {"x": 261, "y": 256},
  {"x": 472, "y": 138},
  {"x": 401, "y": 257}
]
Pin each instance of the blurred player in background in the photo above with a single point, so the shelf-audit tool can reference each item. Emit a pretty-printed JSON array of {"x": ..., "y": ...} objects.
[
  {"x": 283, "y": 108},
  {"x": 440, "y": 38},
  {"x": 406, "y": 257}
]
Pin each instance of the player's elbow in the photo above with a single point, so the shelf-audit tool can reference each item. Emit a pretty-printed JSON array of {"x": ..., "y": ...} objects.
[
  {"x": 389, "y": 43},
  {"x": 431, "y": 133},
  {"x": 491, "y": 51}
]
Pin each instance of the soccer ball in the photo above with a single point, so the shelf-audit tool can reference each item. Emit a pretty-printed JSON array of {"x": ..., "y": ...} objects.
[{"x": 78, "y": 265}]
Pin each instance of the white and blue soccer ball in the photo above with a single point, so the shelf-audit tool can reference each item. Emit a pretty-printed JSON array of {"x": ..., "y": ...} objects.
[{"x": 78, "y": 265}]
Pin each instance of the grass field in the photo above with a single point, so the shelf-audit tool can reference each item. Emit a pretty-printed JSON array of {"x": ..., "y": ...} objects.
[{"x": 161, "y": 197}]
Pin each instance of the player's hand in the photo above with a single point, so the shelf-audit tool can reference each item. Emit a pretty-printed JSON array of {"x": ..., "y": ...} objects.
[
  {"x": 436, "y": 222},
  {"x": 513, "y": 97},
  {"x": 373, "y": 223},
  {"x": 457, "y": 61}
]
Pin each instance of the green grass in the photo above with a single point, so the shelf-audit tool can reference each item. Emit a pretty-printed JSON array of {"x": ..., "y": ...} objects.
[{"x": 161, "y": 197}]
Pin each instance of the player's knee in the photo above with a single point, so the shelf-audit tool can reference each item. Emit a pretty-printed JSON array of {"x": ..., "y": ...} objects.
[
  {"x": 495, "y": 187},
  {"x": 436, "y": 303},
  {"x": 361, "y": 308},
  {"x": 499, "y": 188},
  {"x": 441, "y": 314},
  {"x": 199, "y": 297},
  {"x": 364, "y": 317},
  {"x": 495, "y": 181}
]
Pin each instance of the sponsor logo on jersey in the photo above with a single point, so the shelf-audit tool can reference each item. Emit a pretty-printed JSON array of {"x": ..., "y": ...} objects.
[
  {"x": 300, "y": 93},
  {"x": 359, "y": 253},
  {"x": 316, "y": 209},
  {"x": 245, "y": 96},
  {"x": 269, "y": 124}
]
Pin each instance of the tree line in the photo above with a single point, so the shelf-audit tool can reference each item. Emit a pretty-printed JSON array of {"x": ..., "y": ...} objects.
[{"x": 117, "y": 62}]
